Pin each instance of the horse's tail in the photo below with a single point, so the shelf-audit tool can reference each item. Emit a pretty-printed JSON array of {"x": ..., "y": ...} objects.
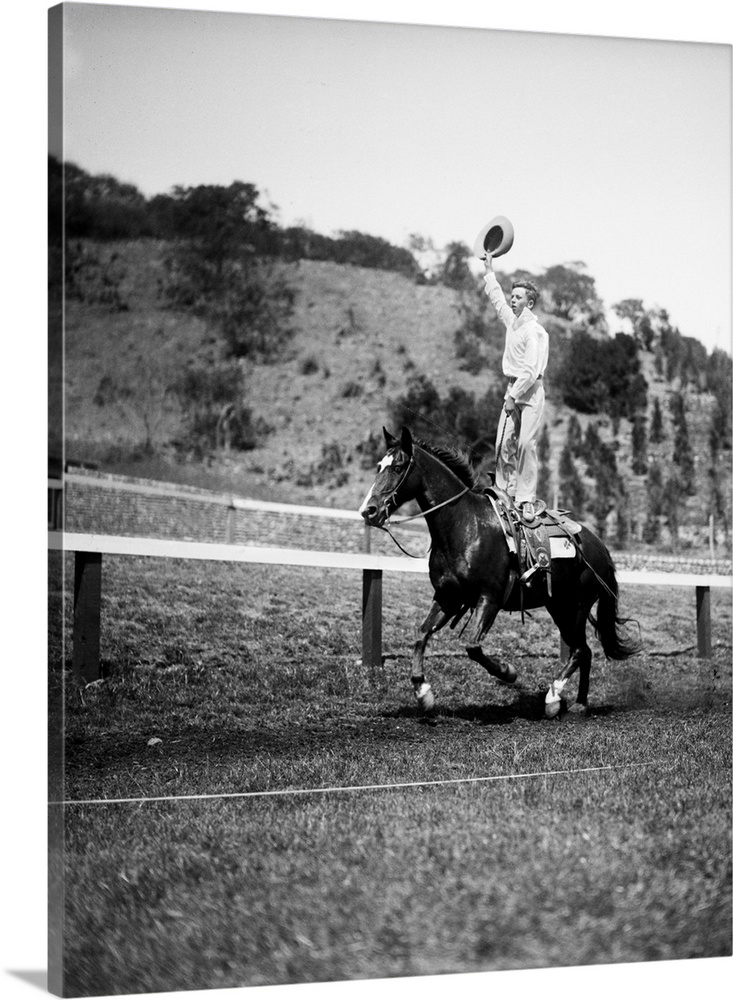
[{"x": 609, "y": 627}]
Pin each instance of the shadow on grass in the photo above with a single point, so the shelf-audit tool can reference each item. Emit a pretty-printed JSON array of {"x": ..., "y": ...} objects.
[{"x": 527, "y": 706}]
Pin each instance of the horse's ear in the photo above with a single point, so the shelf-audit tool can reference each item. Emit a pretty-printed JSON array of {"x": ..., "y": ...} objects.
[
  {"x": 406, "y": 442},
  {"x": 389, "y": 438}
]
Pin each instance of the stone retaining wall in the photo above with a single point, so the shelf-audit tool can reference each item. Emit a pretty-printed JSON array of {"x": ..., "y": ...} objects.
[{"x": 95, "y": 506}]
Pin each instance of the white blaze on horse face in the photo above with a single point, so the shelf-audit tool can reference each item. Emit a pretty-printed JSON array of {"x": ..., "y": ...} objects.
[
  {"x": 365, "y": 501},
  {"x": 384, "y": 464}
]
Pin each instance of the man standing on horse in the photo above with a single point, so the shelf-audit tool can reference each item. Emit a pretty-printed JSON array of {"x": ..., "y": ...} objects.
[{"x": 524, "y": 364}]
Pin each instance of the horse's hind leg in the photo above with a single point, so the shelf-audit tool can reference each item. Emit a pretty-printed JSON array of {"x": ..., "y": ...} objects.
[
  {"x": 503, "y": 672},
  {"x": 579, "y": 659},
  {"x": 486, "y": 613},
  {"x": 435, "y": 621},
  {"x": 572, "y": 631}
]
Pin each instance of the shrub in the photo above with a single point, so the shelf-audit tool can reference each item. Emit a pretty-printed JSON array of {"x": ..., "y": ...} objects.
[
  {"x": 211, "y": 392},
  {"x": 601, "y": 376},
  {"x": 458, "y": 420},
  {"x": 352, "y": 390}
]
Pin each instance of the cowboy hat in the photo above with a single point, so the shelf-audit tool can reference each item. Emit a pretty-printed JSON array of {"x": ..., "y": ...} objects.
[{"x": 496, "y": 237}]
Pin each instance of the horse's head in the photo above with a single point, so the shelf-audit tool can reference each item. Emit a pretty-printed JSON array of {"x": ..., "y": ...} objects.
[{"x": 394, "y": 483}]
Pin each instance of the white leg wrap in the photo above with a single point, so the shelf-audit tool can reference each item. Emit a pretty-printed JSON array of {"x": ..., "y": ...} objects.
[
  {"x": 554, "y": 697},
  {"x": 425, "y": 696}
]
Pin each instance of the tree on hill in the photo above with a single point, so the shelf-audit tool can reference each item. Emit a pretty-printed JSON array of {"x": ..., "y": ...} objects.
[
  {"x": 717, "y": 471},
  {"x": 682, "y": 454},
  {"x": 602, "y": 466},
  {"x": 673, "y": 499},
  {"x": 211, "y": 392},
  {"x": 655, "y": 504},
  {"x": 623, "y": 518},
  {"x": 570, "y": 293},
  {"x": 680, "y": 359},
  {"x": 606, "y": 491},
  {"x": 591, "y": 443},
  {"x": 602, "y": 376},
  {"x": 221, "y": 223},
  {"x": 656, "y": 434},
  {"x": 455, "y": 272},
  {"x": 575, "y": 436},
  {"x": 544, "y": 477},
  {"x": 353, "y": 247},
  {"x": 216, "y": 271},
  {"x": 638, "y": 445},
  {"x": 572, "y": 491},
  {"x": 479, "y": 340},
  {"x": 348, "y": 247},
  {"x": 458, "y": 420},
  {"x": 641, "y": 321},
  {"x": 94, "y": 206},
  {"x": 720, "y": 384}
]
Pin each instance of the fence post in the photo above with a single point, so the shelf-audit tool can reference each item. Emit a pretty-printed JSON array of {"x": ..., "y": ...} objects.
[
  {"x": 371, "y": 618},
  {"x": 704, "y": 638},
  {"x": 55, "y": 505},
  {"x": 231, "y": 523},
  {"x": 87, "y": 615}
]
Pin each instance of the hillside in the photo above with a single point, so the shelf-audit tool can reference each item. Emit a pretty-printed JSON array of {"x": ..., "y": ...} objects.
[{"x": 360, "y": 333}]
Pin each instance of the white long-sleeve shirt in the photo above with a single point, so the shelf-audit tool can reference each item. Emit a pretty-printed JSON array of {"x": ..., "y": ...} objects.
[{"x": 526, "y": 347}]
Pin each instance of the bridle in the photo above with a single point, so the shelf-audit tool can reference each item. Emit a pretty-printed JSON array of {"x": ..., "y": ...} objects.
[{"x": 391, "y": 500}]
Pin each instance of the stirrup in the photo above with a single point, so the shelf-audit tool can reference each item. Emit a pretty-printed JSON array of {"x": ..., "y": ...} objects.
[{"x": 526, "y": 578}]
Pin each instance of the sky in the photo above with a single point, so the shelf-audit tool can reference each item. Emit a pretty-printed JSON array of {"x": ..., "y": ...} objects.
[{"x": 615, "y": 152}]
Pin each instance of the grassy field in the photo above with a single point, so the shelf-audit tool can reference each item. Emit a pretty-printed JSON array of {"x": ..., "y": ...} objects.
[{"x": 225, "y": 679}]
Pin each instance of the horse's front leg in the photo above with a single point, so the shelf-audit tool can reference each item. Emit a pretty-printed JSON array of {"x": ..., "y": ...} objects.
[{"x": 435, "y": 621}]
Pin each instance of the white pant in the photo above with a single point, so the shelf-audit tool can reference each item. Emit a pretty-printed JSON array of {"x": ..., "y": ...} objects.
[{"x": 516, "y": 445}]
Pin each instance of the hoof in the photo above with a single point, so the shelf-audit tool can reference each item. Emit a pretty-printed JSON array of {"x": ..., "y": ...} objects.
[
  {"x": 578, "y": 709},
  {"x": 425, "y": 697},
  {"x": 508, "y": 676},
  {"x": 552, "y": 708},
  {"x": 553, "y": 699}
]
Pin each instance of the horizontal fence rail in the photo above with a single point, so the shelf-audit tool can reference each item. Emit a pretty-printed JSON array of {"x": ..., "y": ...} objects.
[{"x": 88, "y": 550}]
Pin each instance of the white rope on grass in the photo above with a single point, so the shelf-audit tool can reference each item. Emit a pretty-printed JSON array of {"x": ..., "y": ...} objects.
[{"x": 343, "y": 788}]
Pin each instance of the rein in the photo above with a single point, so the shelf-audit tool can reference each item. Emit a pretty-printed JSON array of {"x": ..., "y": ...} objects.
[
  {"x": 413, "y": 517},
  {"x": 424, "y": 513}
]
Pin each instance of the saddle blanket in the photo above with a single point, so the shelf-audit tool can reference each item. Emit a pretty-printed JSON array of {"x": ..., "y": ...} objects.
[{"x": 561, "y": 547}]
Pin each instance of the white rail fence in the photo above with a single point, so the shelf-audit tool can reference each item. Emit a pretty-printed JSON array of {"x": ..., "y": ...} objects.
[{"x": 89, "y": 549}]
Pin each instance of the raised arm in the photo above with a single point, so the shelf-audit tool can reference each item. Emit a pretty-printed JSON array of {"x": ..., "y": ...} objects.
[{"x": 496, "y": 295}]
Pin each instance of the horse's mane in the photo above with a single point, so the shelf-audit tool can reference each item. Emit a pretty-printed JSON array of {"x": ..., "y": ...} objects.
[{"x": 456, "y": 460}]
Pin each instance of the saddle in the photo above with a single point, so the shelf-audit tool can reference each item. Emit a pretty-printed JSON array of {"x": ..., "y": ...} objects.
[{"x": 534, "y": 544}]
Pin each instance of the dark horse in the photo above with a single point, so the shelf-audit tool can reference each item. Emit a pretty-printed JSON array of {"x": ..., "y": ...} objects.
[{"x": 471, "y": 568}]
